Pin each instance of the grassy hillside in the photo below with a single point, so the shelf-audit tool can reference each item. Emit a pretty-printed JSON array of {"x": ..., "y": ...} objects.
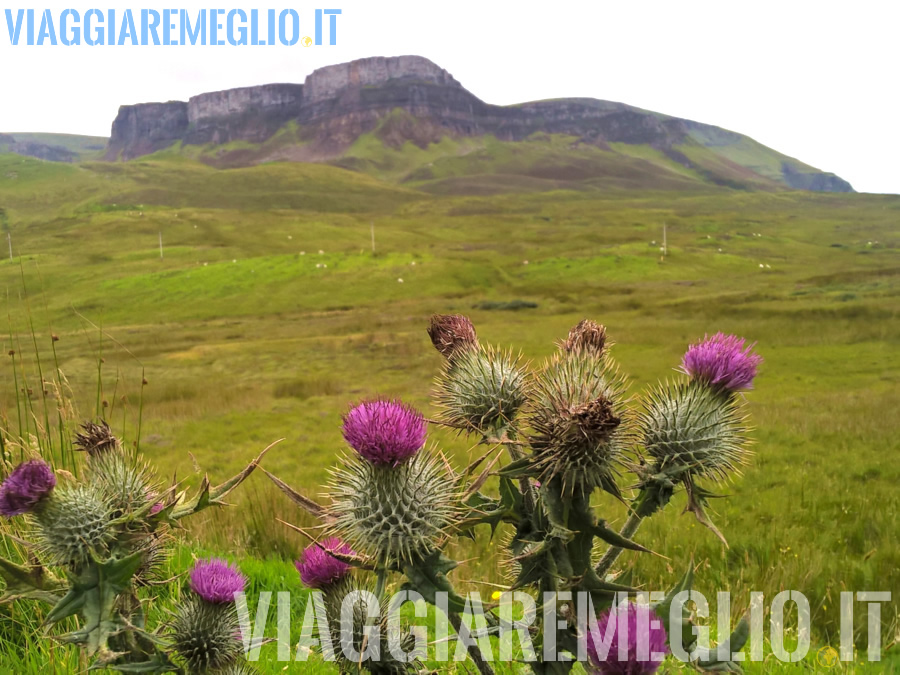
[
  {"x": 268, "y": 313},
  {"x": 85, "y": 147}
]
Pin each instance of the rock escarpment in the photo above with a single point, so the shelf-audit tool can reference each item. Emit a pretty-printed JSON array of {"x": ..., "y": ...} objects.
[{"x": 337, "y": 104}]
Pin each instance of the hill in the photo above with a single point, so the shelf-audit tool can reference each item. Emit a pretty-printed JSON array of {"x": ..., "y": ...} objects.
[
  {"x": 408, "y": 120},
  {"x": 53, "y": 147}
]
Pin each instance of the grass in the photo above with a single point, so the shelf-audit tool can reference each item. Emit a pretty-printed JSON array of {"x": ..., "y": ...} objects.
[{"x": 237, "y": 354}]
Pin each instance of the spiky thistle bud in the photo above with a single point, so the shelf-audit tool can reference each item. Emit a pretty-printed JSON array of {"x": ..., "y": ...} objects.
[
  {"x": 127, "y": 479},
  {"x": 452, "y": 334},
  {"x": 392, "y": 513},
  {"x": 577, "y": 415},
  {"x": 384, "y": 432},
  {"x": 74, "y": 525},
  {"x": 723, "y": 362},
  {"x": 205, "y": 631},
  {"x": 481, "y": 390},
  {"x": 96, "y": 439},
  {"x": 353, "y": 633},
  {"x": 691, "y": 430},
  {"x": 588, "y": 337},
  {"x": 26, "y": 487},
  {"x": 642, "y": 633},
  {"x": 317, "y": 566}
]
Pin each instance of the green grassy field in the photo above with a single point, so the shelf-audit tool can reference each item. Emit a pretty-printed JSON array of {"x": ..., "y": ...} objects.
[{"x": 268, "y": 313}]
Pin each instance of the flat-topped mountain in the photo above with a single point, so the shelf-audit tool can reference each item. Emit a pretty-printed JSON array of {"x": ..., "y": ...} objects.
[{"x": 408, "y": 120}]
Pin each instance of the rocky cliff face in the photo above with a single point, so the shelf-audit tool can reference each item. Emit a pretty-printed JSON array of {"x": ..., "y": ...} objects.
[
  {"x": 145, "y": 128},
  {"x": 338, "y": 103}
]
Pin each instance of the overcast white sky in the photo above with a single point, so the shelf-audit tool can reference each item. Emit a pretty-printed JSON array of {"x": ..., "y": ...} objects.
[{"x": 814, "y": 80}]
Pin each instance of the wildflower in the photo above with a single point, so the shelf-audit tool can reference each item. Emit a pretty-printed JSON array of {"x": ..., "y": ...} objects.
[
  {"x": 452, "y": 333},
  {"x": 25, "y": 487},
  {"x": 96, "y": 439},
  {"x": 723, "y": 361},
  {"x": 603, "y": 647},
  {"x": 216, "y": 581},
  {"x": 384, "y": 432},
  {"x": 588, "y": 336},
  {"x": 317, "y": 566}
]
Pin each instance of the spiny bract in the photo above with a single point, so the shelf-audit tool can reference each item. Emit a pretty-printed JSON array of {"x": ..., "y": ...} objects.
[
  {"x": 74, "y": 523},
  {"x": 392, "y": 513},
  {"x": 206, "y": 636},
  {"x": 481, "y": 389},
  {"x": 692, "y": 430},
  {"x": 578, "y": 416}
]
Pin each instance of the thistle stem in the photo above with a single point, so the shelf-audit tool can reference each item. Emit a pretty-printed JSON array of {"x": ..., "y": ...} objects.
[
  {"x": 380, "y": 579},
  {"x": 525, "y": 485},
  {"x": 474, "y": 652},
  {"x": 628, "y": 530}
]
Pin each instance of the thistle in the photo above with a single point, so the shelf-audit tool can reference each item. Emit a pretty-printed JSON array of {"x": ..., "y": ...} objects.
[
  {"x": 481, "y": 390},
  {"x": 604, "y": 636},
  {"x": 384, "y": 432},
  {"x": 96, "y": 439},
  {"x": 26, "y": 487},
  {"x": 452, "y": 334},
  {"x": 577, "y": 414},
  {"x": 691, "y": 431},
  {"x": 205, "y": 631},
  {"x": 127, "y": 480},
  {"x": 587, "y": 337},
  {"x": 354, "y": 634},
  {"x": 723, "y": 362},
  {"x": 392, "y": 513},
  {"x": 320, "y": 569},
  {"x": 75, "y": 525}
]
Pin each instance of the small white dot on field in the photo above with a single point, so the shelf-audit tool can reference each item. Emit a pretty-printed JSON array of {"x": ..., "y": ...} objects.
[
  {"x": 321, "y": 252},
  {"x": 302, "y": 252},
  {"x": 399, "y": 281},
  {"x": 768, "y": 267},
  {"x": 524, "y": 262},
  {"x": 708, "y": 237},
  {"x": 290, "y": 236},
  {"x": 720, "y": 250},
  {"x": 234, "y": 261},
  {"x": 662, "y": 249},
  {"x": 413, "y": 263},
  {"x": 318, "y": 266},
  {"x": 195, "y": 227},
  {"x": 761, "y": 265},
  {"x": 324, "y": 264},
  {"x": 205, "y": 264},
  {"x": 653, "y": 242}
]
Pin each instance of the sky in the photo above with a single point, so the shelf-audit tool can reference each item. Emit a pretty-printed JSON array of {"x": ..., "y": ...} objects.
[{"x": 814, "y": 80}]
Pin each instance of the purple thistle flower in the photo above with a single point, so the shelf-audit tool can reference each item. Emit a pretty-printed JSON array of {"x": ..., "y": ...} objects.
[
  {"x": 603, "y": 641},
  {"x": 27, "y": 485},
  {"x": 722, "y": 361},
  {"x": 318, "y": 568},
  {"x": 156, "y": 508},
  {"x": 384, "y": 432},
  {"x": 216, "y": 581}
]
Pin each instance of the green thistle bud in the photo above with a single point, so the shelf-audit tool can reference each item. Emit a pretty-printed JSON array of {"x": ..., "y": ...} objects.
[
  {"x": 577, "y": 415},
  {"x": 73, "y": 524},
  {"x": 207, "y": 635},
  {"x": 692, "y": 430},
  {"x": 127, "y": 480},
  {"x": 356, "y": 635},
  {"x": 481, "y": 390},
  {"x": 392, "y": 513}
]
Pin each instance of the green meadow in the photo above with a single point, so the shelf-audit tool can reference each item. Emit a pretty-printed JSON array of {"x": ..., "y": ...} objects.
[{"x": 209, "y": 312}]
